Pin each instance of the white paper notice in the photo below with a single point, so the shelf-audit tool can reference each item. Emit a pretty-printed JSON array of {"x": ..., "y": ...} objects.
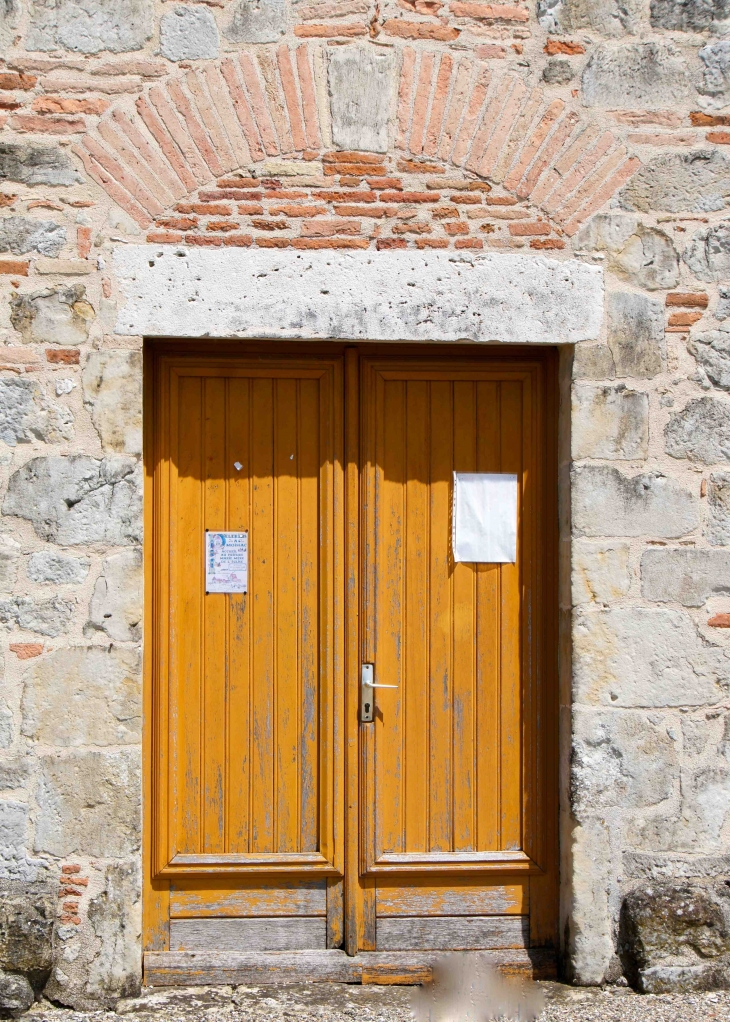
[
  {"x": 485, "y": 517},
  {"x": 226, "y": 562}
]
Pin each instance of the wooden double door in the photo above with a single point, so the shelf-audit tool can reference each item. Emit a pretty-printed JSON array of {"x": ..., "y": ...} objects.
[{"x": 275, "y": 818}]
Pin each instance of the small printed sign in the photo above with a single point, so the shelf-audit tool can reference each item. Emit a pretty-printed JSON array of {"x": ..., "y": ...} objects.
[{"x": 226, "y": 562}]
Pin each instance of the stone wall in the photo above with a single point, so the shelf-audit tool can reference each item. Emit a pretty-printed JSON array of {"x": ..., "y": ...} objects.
[{"x": 594, "y": 129}]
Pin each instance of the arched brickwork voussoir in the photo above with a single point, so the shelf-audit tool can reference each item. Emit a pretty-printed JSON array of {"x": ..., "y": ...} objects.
[{"x": 166, "y": 160}]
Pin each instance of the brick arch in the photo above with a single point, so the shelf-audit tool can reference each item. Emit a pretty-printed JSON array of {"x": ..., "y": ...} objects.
[{"x": 196, "y": 126}]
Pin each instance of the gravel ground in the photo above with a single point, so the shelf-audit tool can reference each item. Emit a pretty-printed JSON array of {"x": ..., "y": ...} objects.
[{"x": 324, "y": 1002}]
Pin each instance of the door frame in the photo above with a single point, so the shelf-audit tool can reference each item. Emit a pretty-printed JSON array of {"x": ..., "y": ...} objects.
[{"x": 359, "y": 888}]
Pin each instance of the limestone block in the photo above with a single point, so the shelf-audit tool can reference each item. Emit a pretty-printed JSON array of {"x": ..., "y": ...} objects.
[
  {"x": 27, "y": 914},
  {"x": 19, "y": 234},
  {"x": 675, "y": 936},
  {"x": 593, "y": 362},
  {"x": 89, "y": 803},
  {"x": 84, "y": 695},
  {"x": 718, "y": 502},
  {"x": 46, "y": 617},
  {"x": 256, "y": 21},
  {"x": 112, "y": 382},
  {"x": 188, "y": 33},
  {"x": 621, "y": 760},
  {"x": 609, "y": 422},
  {"x": 16, "y": 995},
  {"x": 36, "y": 163},
  {"x": 116, "y": 605},
  {"x": 9, "y": 554},
  {"x": 55, "y": 316},
  {"x": 9, "y": 17},
  {"x": 712, "y": 352},
  {"x": 715, "y": 85},
  {"x": 79, "y": 500},
  {"x": 361, "y": 85},
  {"x": 13, "y": 831},
  {"x": 722, "y": 309},
  {"x": 635, "y": 334},
  {"x": 558, "y": 71},
  {"x": 26, "y": 414},
  {"x": 642, "y": 76},
  {"x": 694, "y": 182},
  {"x": 645, "y": 256},
  {"x": 640, "y": 656},
  {"x": 14, "y": 773},
  {"x": 708, "y": 255},
  {"x": 606, "y": 502},
  {"x": 700, "y": 431},
  {"x": 89, "y": 26},
  {"x": 107, "y": 966},
  {"x": 688, "y": 15},
  {"x": 591, "y": 939},
  {"x": 6, "y": 725},
  {"x": 609, "y": 18},
  {"x": 50, "y": 566},
  {"x": 600, "y": 571},
  {"x": 684, "y": 575}
]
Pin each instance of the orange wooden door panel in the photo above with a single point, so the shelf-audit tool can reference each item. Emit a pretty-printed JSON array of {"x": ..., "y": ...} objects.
[
  {"x": 249, "y": 685},
  {"x": 455, "y": 747}
]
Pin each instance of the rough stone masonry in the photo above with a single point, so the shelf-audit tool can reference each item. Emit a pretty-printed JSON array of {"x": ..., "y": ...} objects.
[{"x": 594, "y": 130}]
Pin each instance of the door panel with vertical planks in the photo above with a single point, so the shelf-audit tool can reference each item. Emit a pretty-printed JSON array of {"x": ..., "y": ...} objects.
[
  {"x": 456, "y": 763},
  {"x": 248, "y": 686}
]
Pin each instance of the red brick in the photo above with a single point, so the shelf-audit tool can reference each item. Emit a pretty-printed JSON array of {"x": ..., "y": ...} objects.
[
  {"x": 62, "y": 105},
  {"x": 412, "y": 227},
  {"x": 528, "y": 228},
  {"x": 719, "y": 137},
  {"x": 419, "y": 30},
  {"x": 216, "y": 194},
  {"x": 350, "y": 182},
  {"x": 19, "y": 266},
  {"x": 26, "y": 650},
  {"x": 351, "y": 170},
  {"x": 178, "y": 223},
  {"x": 286, "y": 193},
  {"x": 65, "y": 919},
  {"x": 74, "y": 869},
  {"x": 431, "y": 243},
  {"x": 56, "y": 125},
  {"x": 203, "y": 241},
  {"x": 684, "y": 318},
  {"x": 636, "y": 118},
  {"x": 491, "y": 51},
  {"x": 719, "y": 621},
  {"x": 388, "y": 243},
  {"x": 273, "y": 242},
  {"x": 329, "y": 31},
  {"x": 221, "y": 225},
  {"x": 9, "y": 102},
  {"x": 204, "y": 208},
  {"x": 405, "y": 96},
  {"x": 13, "y": 80},
  {"x": 164, "y": 238},
  {"x": 453, "y": 227},
  {"x": 700, "y": 120},
  {"x": 385, "y": 182},
  {"x": 445, "y": 212},
  {"x": 468, "y": 243},
  {"x": 688, "y": 299},
  {"x": 547, "y": 243},
  {"x": 553, "y": 46},
  {"x": 83, "y": 241},
  {"x": 372, "y": 211},
  {"x": 326, "y": 228},
  {"x": 270, "y": 225},
  {"x": 409, "y": 197},
  {"x": 238, "y": 182},
  {"x": 237, "y": 240},
  {"x": 490, "y": 12},
  {"x": 352, "y": 156},
  {"x": 7, "y": 200},
  {"x": 419, "y": 167},
  {"x": 330, "y": 243},
  {"x": 63, "y": 356},
  {"x": 467, "y": 200},
  {"x": 250, "y": 208},
  {"x": 501, "y": 200},
  {"x": 70, "y": 906},
  {"x": 340, "y": 196},
  {"x": 291, "y": 209}
]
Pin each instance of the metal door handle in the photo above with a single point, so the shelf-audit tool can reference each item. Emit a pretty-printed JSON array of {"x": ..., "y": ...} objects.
[{"x": 366, "y": 699}]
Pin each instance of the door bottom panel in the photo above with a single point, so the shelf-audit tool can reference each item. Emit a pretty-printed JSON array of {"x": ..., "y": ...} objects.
[
  {"x": 277, "y": 934},
  {"x": 452, "y": 933}
]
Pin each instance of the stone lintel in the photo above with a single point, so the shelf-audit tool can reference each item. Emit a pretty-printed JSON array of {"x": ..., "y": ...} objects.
[{"x": 175, "y": 291}]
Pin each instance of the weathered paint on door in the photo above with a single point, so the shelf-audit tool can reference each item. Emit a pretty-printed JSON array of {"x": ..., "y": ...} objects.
[{"x": 448, "y": 839}]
